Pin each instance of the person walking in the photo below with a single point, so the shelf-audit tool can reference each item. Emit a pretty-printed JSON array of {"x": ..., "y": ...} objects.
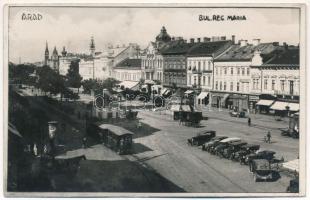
[
  {"x": 249, "y": 121},
  {"x": 268, "y": 137},
  {"x": 84, "y": 142}
]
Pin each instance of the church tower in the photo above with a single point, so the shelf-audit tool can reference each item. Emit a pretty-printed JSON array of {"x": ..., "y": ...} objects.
[
  {"x": 92, "y": 46},
  {"x": 55, "y": 60},
  {"x": 46, "y": 55}
]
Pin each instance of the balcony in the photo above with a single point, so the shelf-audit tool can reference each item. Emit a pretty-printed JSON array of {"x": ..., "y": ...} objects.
[{"x": 207, "y": 71}]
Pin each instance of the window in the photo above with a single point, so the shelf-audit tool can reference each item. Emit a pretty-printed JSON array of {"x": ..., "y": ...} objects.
[
  {"x": 209, "y": 65},
  {"x": 238, "y": 71},
  {"x": 220, "y": 70},
  {"x": 204, "y": 65},
  {"x": 216, "y": 85},
  {"x": 291, "y": 87},
  {"x": 248, "y": 71},
  {"x": 224, "y": 85},
  {"x": 221, "y": 85},
  {"x": 273, "y": 83},
  {"x": 243, "y": 71},
  {"x": 199, "y": 69},
  {"x": 238, "y": 86},
  {"x": 225, "y": 70},
  {"x": 231, "y": 70},
  {"x": 204, "y": 80},
  {"x": 265, "y": 84},
  {"x": 189, "y": 80},
  {"x": 216, "y": 70},
  {"x": 195, "y": 80},
  {"x": 231, "y": 86},
  {"x": 282, "y": 85},
  {"x": 209, "y": 80}
]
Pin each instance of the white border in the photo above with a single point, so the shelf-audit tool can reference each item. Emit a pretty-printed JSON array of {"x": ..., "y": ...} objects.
[{"x": 303, "y": 5}]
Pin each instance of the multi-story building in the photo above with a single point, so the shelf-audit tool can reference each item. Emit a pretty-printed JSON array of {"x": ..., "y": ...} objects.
[
  {"x": 200, "y": 65},
  {"x": 152, "y": 60},
  {"x": 175, "y": 63},
  {"x": 275, "y": 79},
  {"x": 232, "y": 74},
  {"x": 128, "y": 70}
]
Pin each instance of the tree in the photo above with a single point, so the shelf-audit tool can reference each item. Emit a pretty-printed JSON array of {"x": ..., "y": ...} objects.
[{"x": 74, "y": 79}]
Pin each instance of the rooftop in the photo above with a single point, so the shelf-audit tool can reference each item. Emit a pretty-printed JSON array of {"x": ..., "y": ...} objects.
[
  {"x": 129, "y": 63},
  {"x": 208, "y": 48},
  {"x": 245, "y": 53}
]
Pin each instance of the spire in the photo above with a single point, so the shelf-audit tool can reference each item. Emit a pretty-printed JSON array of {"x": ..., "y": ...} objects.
[
  {"x": 163, "y": 36},
  {"x": 64, "y": 52},
  {"x": 55, "y": 51},
  {"x": 92, "y": 46},
  {"x": 46, "y": 48}
]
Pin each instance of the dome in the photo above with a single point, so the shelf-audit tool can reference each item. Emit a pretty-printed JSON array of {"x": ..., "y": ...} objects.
[{"x": 163, "y": 35}]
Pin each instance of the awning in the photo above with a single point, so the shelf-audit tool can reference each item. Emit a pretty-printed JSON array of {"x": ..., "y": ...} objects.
[
  {"x": 151, "y": 82},
  {"x": 202, "y": 95},
  {"x": 264, "y": 102},
  {"x": 165, "y": 91},
  {"x": 188, "y": 92},
  {"x": 133, "y": 85},
  {"x": 293, "y": 106},
  {"x": 279, "y": 105}
]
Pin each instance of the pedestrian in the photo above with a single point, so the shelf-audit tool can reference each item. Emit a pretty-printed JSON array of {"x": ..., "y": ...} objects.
[
  {"x": 249, "y": 121},
  {"x": 268, "y": 137},
  {"x": 84, "y": 142}
]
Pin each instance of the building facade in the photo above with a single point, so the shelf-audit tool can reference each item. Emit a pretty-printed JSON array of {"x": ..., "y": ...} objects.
[
  {"x": 128, "y": 70},
  {"x": 276, "y": 78},
  {"x": 232, "y": 74}
]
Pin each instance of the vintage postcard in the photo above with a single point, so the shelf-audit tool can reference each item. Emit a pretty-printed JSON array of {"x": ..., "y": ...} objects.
[{"x": 154, "y": 100}]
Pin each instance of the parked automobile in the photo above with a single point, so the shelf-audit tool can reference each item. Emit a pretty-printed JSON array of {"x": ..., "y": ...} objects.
[
  {"x": 266, "y": 154},
  {"x": 237, "y": 114},
  {"x": 206, "y": 146},
  {"x": 232, "y": 148},
  {"x": 262, "y": 170},
  {"x": 216, "y": 149},
  {"x": 290, "y": 133},
  {"x": 201, "y": 137},
  {"x": 293, "y": 186},
  {"x": 244, "y": 151}
]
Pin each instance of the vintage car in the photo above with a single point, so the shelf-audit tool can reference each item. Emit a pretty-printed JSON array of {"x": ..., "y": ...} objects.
[
  {"x": 237, "y": 114},
  {"x": 216, "y": 149},
  {"x": 266, "y": 154},
  {"x": 244, "y": 151},
  {"x": 233, "y": 148},
  {"x": 261, "y": 170},
  {"x": 201, "y": 137},
  {"x": 293, "y": 186},
  {"x": 206, "y": 146}
]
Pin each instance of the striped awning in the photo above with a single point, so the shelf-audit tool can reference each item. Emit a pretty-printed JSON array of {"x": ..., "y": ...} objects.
[{"x": 279, "y": 105}]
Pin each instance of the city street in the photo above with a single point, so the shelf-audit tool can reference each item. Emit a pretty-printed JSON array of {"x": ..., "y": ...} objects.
[
  {"x": 197, "y": 171},
  {"x": 163, "y": 156}
]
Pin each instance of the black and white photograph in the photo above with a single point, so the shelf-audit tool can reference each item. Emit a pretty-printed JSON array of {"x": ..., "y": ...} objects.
[{"x": 167, "y": 99}]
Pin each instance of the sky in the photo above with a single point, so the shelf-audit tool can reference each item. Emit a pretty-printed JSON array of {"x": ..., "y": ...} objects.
[{"x": 73, "y": 27}]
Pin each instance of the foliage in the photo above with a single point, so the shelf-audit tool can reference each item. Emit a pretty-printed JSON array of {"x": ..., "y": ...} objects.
[
  {"x": 73, "y": 77},
  {"x": 98, "y": 86},
  {"x": 21, "y": 74}
]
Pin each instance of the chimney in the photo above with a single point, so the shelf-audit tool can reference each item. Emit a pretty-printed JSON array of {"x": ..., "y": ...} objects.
[
  {"x": 206, "y": 39},
  {"x": 256, "y": 42},
  {"x": 223, "y": 38},
  {"x": 215, "y": 38},
  {"x": 275, "y": 43},
  {"x": 243, "y": 43},
  {"x": 198, "y": 40},
  {"x": 192, "y": 40},
  {"x": 233, "y": 39}
]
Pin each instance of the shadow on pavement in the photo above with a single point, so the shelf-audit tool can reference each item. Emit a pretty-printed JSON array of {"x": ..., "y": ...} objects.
[
  {"x": 140, "y": 148},
  {"x": 114, "y": 176}
]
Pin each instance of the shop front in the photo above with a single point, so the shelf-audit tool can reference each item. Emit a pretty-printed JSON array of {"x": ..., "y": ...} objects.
[
  {"x": 238, "y": 102},
  {"x": 219, "y": 100}
]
